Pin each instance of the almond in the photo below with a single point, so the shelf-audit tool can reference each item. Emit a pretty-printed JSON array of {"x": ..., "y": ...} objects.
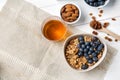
[
  {"x": 68, "y": 9},
  {"x": 68, "y": 6},
  {"x": 74, "y": 15},
  {"x": 76, "y": 12},
  {"x": 74, "y": 7}
]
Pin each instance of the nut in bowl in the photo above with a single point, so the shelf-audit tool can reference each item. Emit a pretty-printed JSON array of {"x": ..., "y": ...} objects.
[
  {"x": 70, "y": 13},
  {"x": 97, "y": 3},
  {"x": 84, "y": 52}
]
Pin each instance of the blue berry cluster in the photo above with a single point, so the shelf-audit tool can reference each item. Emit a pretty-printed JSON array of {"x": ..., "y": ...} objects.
[
  {"x": 95, "y": 3},
  {"x": 90, "y": 50}
]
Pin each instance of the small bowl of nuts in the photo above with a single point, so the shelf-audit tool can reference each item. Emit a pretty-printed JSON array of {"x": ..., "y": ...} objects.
[
  {"x": 84, "y": 52},
  {"x": 70, "y": 13}
]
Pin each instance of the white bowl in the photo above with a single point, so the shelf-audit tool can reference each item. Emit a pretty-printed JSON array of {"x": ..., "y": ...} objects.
[
  {"x": 76, "y": 19},
  {"x": 97, "y": 63},
  {"x": 101, "y": 5}
]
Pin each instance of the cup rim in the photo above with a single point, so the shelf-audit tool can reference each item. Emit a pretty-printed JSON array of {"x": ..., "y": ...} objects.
[
  {"x": 96, "y": 64},
  {"x": 78, "y": 16}
]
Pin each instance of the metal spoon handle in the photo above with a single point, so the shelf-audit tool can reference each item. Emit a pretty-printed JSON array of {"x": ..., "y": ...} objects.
[{"x": 116, "y": 36}]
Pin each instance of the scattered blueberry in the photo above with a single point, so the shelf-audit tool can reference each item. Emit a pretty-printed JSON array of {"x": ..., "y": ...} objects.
[{"x": 84, "y": 66}]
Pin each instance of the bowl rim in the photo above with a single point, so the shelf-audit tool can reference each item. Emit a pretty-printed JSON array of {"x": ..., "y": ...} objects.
[
  {"x": 96, "y": 64},
  {"x": 99, "y": 6},
  {"x": 78, "y": 16}
]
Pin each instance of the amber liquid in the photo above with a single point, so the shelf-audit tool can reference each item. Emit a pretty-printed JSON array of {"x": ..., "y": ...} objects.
[{"x": 54, "y": 30}]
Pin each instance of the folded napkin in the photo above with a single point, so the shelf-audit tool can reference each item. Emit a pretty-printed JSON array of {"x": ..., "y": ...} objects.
[{"x": 26, "y": 55}]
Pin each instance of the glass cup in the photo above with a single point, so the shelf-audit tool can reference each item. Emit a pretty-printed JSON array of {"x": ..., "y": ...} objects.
[{"x": 54, "y": 29}]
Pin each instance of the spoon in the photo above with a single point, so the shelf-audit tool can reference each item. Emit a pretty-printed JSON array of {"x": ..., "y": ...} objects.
[{"x": 116, "y": 36}]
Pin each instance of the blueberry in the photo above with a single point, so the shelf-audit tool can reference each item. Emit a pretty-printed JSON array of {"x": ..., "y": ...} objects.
[
  {"x": 87, "y": 57},
  {"x": 81, "y": 38},
  {"x": 87, "y": 1},
  {"x": 82, "y": 42},
  {"x": 95, "y": 59},
  {"x": 90, "y": 61},
  {"x": 94, "y": 45},
  {"x": 85, "y": 54},
  {"x": 87, "y": 43},
  {"x": 96, "y": 4},
  {"x": 97, "y": 42},
  {"x": 89, "y": 53},
  {"x": 100, "y": 47},
  {"x": 101, "y": 2},
  {"x": 94, "y": 38},
  {"x": 80, "y": 54},
  {"x": 94, "y": 54},
  {"x": 91, "y": 4},
  {"x": 88, "y": 47},
  {"x": 81, "y": 50},
  {"x": 91, "y": 0},
  {"x": 97, "y": 52},
  {"x": 83, "y": 46},
  {"x": 84, "y": 66},
  {"x": 91, "y": 49},
  {"x": 85, "y": 50}
]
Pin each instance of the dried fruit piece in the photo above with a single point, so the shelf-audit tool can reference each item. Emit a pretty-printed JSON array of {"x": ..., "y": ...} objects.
[
  {"x": 107, "y": 38},
  {"x": 113, "y": 19},
  {"x": 106, "y": 24},
  {"x": 95, "y": 33},
  {"x": 116, "y": 40},
  {"x": 90, "y": 14}
]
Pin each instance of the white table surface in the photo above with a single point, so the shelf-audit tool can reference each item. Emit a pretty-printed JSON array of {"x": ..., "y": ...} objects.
[{"x": 110, "y": 11}]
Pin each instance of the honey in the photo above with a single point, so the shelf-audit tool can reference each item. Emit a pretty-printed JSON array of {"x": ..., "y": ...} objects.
[{"x": 54, "y": 30}]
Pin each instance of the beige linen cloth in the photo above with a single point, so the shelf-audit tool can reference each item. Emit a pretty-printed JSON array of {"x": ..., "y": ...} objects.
[{"x": 26, "y": 55}]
